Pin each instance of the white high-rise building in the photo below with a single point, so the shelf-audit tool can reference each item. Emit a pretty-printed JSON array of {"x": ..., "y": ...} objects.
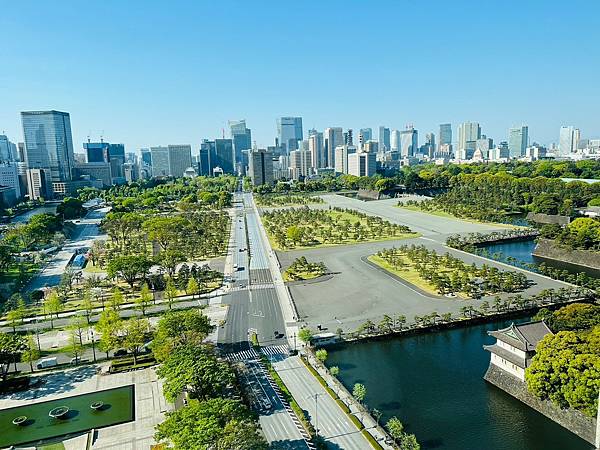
[
  {"x": 332, "y": 138},
  {"x": 518, "y": 138},
  {"x": 395, "y": 140},
  {"x": 341, "y": 157},
  {"x": 409, "y": 142},
  {"x": 300, "y": 164},
  {"x": 315, "y": 147},
  {"x": 171, "y": 160},
  {"x": 467, "y": 132},
  {"x": 568, "y": 140},
  {"x": 362, "y": 164}
]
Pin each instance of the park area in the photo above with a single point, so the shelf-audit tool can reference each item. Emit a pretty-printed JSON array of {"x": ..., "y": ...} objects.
[
  {"x": 297, "y": 228},
  {"x": 446, "y": 274},
  {"x": 66, "y": 416},
  {"x": 281, "y": 200}
]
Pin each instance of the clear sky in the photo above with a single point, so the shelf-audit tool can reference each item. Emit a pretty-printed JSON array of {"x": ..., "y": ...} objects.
[{"x": 157, "y": 72}]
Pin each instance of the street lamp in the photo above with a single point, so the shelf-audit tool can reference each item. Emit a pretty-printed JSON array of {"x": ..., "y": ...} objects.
[{"x": 93, "y": 343}]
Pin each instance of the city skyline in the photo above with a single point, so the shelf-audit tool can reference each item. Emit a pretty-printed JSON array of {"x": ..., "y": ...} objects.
[{"x": 138, "y": 103}]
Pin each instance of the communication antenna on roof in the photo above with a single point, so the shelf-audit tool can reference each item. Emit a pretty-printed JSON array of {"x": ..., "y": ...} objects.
[
  {"x": 102, "y": 136},
  {"x": 223, "y": 131}
]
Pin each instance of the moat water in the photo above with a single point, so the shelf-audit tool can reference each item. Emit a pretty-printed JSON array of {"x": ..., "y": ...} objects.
[
  {"x": 522, "y": 251},
  {"x": 434, "y": 384}
]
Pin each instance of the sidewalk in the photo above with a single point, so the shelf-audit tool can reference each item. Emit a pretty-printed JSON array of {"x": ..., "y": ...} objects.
[{"x": 356, "y": 408}]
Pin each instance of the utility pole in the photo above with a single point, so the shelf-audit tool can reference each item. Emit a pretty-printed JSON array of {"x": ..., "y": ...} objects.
[
  {"x": 598, "y": 425},
  {"x": 316, "y": 414}
]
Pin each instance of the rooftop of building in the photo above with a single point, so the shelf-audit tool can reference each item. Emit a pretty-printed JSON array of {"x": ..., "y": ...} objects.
[{"x": 525, "y": 336}]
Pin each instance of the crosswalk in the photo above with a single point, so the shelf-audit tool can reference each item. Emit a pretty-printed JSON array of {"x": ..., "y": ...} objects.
[
  {"x": 276, "y": 350},
  {"x": 271, "y": 351},
  {"x": 243, "y": 355}
]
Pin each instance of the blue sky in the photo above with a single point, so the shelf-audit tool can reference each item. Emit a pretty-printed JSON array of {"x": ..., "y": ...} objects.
[{"x": 157, "y": 72}]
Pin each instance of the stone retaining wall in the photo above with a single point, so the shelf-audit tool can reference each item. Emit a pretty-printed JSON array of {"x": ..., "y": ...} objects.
[
  {"x": 574, "y": 421},
  {"x": 547, "y": 248}
]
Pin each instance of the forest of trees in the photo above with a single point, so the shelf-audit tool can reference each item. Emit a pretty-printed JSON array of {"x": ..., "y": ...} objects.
[{"x": 566, "y": 367}]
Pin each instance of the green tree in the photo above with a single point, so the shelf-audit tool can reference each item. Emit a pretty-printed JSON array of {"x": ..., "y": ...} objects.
[
  {"x": 11, "y": 347},
  {"x": 116, "y": 299},
  {"x": 144, "y": 300},
  {"x": 359, "y": 392},
  {"x": 128, "y": 267},
  {"x": 566, "y": 370},
  {"x": 395, "y": 428},
  {"x": 109, "y": 326},
  {"x": 169, "y": 260},
  {"x": 192, "y": 287},
  {"x": 195, "y": 369},
  {"x": 305, "y": 335},
  {"x": 219, "y": 424},
  {"x": 321, "y": 355},
  {"x": 74, "y": 348},
  {"x": 134, "y": 335},
  {"x": 170, "y": 292},
  {"x": 179, "y": 328},
  {"x": 31, "y": 354},
  {"x": 52, "y": 305},
  {"x": 334, "y": 371},
  {"x": 87, "y": 305}
]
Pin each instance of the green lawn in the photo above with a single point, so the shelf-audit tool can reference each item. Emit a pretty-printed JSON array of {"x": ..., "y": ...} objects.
[
  {"x": 321, "y": 233},
  {"x": 409, "y": 274}
]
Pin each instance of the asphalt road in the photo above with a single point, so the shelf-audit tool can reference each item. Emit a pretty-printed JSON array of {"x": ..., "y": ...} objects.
[
  {"x": 84, "y": 234},
  {"x": 324, "y": 412},
  {"x": 253, "y": 307}
]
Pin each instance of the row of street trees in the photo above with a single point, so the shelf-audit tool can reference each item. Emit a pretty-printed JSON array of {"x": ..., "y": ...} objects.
[
  {"x": 448, "y": 274},
  {"x": 305, "y": 227}
]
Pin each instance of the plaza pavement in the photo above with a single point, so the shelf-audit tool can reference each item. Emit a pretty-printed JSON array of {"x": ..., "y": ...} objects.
[
  {"x": 150, "y": 405},
  {"x": 358, "y": 291},
  {"x": 429, "y": 225}
]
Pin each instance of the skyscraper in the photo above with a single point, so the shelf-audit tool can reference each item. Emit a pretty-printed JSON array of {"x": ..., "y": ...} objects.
[
  {"x": 395, "y": 141},
  {"x": 331, "y": 139},
  {"x": 315, "y": 146},
  {"x": 568, "y": 140},
  {"x": 384, "y": 139},
  {"x": 445, "y": 136},
  {"x": 467, "y": 132},
  {"x": 364, "y": 135},
  {"x": 224, "y": 156},
  {"x": 289, "y": 132},
  {"x": 241, "y": 137},
  {"x": 409, "y": 142},
  {"x": 517, "y": 141},
  {"x": 8, "y": 150},
  {"x": 206, "y": 157},
  {"x": 171, "y": 161},
  {"x": 96, "y": 152},
  {"x": 48, "y": 143},
  {"x": 261, "y": 167}
]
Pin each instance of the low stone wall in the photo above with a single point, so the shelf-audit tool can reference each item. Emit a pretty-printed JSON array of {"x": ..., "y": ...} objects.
[
  {"x": 574, "y": 421},
  {"x": 547, "y": 248}
]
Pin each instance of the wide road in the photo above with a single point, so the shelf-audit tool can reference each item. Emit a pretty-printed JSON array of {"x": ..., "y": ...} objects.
[
  {"x": 254, "y": 308},
  {"x": 253, "y": 301},
  {"x": 86, "y": 231}
]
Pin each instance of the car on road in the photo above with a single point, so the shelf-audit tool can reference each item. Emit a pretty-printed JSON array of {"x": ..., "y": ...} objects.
[
  {"x": 47, "y": 362},
  {"x": 120, "y": 352}
]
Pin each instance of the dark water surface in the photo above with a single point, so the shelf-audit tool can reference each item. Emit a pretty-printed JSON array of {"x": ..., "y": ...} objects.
[
  {"x": 433, "y": 383},
  {"x": 522, "y": 251}
]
